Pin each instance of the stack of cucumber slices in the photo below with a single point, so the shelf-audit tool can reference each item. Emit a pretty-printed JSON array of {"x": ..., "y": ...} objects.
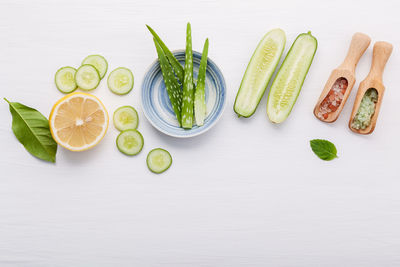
[
  {"x": 88, "y": 76},
  {"x": 130, "y": 141}
]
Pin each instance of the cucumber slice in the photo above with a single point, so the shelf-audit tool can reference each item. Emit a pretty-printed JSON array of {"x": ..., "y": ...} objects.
[
  {"x": 130, "y": 142},
  {"x": 259, "y": 71},
  {"x": 288, "y": 82},
  {"x": 65, "y": 80},
  {"x": 158, "y": 160},
  {"x": 125, "y": 118},
  {"x": 120, "y": 81},
  {"x": 87, "y": 77},
  {"x": 97, "y": 61}
]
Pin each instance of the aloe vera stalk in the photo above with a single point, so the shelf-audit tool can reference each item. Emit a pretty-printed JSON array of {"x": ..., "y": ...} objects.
[
  {"x": 178, "y": 69},
  {"x": 171, "y": 83},
  {"x": 200, "y": 94},
  {"x": 188, "y": 88}
]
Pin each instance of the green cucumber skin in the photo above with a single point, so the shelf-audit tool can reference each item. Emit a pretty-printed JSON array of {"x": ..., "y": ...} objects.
[
  {"x": 96, "y": 55},
  {"x": 178, "y": 69},
  {"x": 269, "y": 79},
  {"x": 199, "y": 98},
  {"x": 148, "y": 165},
  {"x": 85, "y": 65},
  {"x": 118, "y": 93},
  {"x": 301, "y": 85},
  {"x": 55, "y": 80},
  {"x": 134, "y": 111},
  {"x": 122, "y": 150},
  {"x": 188, "y": 89},
  {"x": 171, "y": 83}
]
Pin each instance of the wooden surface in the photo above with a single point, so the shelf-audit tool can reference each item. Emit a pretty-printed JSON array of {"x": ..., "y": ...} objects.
[
  {"x": 381, "y": 54},
  {"x": 247, "y": 193},
  {"x": 359, "y": 43}
]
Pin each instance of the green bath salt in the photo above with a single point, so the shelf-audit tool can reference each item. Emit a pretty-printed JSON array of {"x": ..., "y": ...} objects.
[{"x": 362, "y": 119}]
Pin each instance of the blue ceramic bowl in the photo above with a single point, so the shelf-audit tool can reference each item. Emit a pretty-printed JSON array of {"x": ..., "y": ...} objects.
[{"x": 157, "y": 107}]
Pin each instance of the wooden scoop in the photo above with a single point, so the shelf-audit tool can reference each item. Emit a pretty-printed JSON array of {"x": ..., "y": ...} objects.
[
  {"x": 381, "y": 54},
  {"x": 359, "y": 43}
]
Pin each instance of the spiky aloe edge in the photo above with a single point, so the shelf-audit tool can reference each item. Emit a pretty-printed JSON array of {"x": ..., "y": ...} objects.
[
  {"x": 188, "y": 88},
  {"x": 178, "y": 69},
  {"x": 199, "y": 95},
  {"x": 171, "y": 83}
]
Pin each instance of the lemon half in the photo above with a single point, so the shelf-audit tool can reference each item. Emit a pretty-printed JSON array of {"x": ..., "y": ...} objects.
[{"x": 78, "y": 121}]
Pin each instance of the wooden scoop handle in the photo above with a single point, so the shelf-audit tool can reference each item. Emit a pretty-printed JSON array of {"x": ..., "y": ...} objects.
[
  {"x": 381, "y": 54},
  {"x": 359, "y": 43}
]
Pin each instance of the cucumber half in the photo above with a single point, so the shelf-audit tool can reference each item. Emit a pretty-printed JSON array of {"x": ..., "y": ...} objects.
[
  {"x": 120, "y": 81},
  {"x": 262, "y": 65},
  {"x": 65, "y": 80},
  {"x": 288, "y": 82},
  {"x": 97, "y": 61},
  {"x": 87, "y": 77},
  {"x": 130, "y": 142},
  {"x": 125, "y": 118},
  {"x": 158, "y": 160}
]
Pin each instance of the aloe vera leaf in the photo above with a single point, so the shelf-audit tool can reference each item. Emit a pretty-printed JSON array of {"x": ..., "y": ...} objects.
[
  {"x": 178, "y": 69},
  {"x": 200, "y": 95},
  {"x": 188, "y": 88},
  {"x": 171, "y": 83}
]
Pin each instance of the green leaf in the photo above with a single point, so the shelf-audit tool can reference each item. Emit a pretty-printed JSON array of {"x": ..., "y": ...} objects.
[
  {"x": 188, "y": 88},
  {"x": 324, "y": 149},
  {"x": 200, "y": 108},
  {"x": 171, "y": 83},
  {"x": 32, "y": 130},
  {"x": 179, "y": 71}
]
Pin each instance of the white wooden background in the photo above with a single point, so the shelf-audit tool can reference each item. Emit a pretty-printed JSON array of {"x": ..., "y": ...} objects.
[{"x": 247, "y": 193}]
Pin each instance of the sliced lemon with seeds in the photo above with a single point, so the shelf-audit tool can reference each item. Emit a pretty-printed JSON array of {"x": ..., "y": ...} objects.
[{"x": 78, "y": 121}]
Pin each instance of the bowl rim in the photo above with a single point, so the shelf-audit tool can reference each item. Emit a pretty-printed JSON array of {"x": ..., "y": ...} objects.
[{"x": 211, "y": 125}]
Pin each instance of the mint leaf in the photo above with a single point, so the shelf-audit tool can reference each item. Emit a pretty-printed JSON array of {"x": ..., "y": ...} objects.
[{"x": 324, "y": 149}]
